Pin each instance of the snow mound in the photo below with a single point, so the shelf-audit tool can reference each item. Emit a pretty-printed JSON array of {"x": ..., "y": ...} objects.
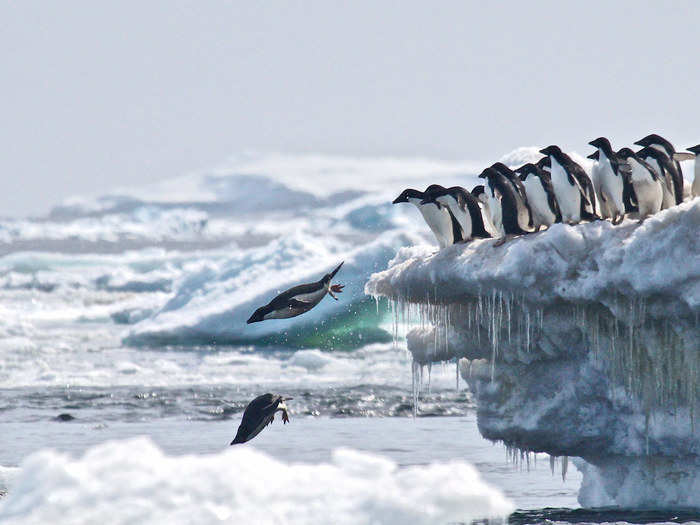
[{"x": 134, "y": 482}]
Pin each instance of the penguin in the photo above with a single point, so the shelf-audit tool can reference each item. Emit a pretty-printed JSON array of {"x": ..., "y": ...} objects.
[
  {"x": 464, "y": 208},
  {"x": 504, "y": 205},
  {"x": 610, "y": 178},
  {"x": 648, "y": 187},
  {"x": 662, "y": 145},
  {"x": 572, "y": 187},
  {"x": 525, "y": 217},
  {"x": 666, "y": 171},
  {"x": 452, "y": 232},
  {"x": 695, "y": 188},
  {"x": 438, "y": 219},
  {"x": 298, "y": 299},
  {"x": 545, "y": 164},
  {"x": 540, "y": 195},
  {"x": 480, "y": 194},
  {"x": 259, "y": 413}
]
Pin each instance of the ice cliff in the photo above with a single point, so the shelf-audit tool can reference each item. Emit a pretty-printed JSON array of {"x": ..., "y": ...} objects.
[{"x": 577, "y": 341}]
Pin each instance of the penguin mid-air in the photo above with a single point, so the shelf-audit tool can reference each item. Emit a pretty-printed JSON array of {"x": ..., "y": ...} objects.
[
  {"x": 540, "y": 195},
  {"x": 695, "y": 188},
  {"x": 572, "y": 187},
  {"x": 504, "y": 206},
  {"x": 664, "y": 146},
  {"x": 437, "y": 218},
  {"x": 667, "y": 172},
  {"x": 298, "y": 299},
  {"x": 610, "y": 176},
  {"x": 648, "y": 187},
  {"x": 464, "y": 208},
  {"x": 259, "y": 413}
]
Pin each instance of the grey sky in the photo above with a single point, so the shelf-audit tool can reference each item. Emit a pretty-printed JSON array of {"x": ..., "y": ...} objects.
[{"x": 95, "y": 95}]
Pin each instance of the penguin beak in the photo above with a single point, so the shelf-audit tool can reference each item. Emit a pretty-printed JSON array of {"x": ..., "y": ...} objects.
[
  {"x": 332, "y": 274},
  {"x": 640, "y": 142}
]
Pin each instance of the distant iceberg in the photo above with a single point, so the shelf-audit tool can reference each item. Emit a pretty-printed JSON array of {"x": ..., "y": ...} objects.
[{"x": 134, "y": 482}]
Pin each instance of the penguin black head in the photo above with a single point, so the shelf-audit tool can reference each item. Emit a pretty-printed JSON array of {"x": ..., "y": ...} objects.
[
  {"x": 502, "y": 168},
  {"x": 544, "y": 162},
  {"x": 527, "y": 169},
  {"x": 601, "y": 143},
  {"x": 433, "y": 187},
  {"x": 626, "y": 153},
  {"x": 478, "y": 190},
  {"x": 551, "y": 150},
  {"x": 694, "y": 149},
  {"x": 259, "y": 314},
  {"x": 488, "y": 173},
  {"x": 655, "y": 139},
  {"x": 648, "y": 151},
  {"x": 408, "y": 193},
  {"x": 327, "y": 278}
]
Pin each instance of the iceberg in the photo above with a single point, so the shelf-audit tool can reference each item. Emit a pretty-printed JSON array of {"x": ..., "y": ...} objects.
[
  {"x": 577, "y": 341},
  {"x": 133, "y": 481}
]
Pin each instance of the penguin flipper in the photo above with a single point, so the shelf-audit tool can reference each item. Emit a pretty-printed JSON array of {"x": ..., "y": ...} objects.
[
  {"x": 296, "y": 303},
  {"x": 682, "y": 155}
]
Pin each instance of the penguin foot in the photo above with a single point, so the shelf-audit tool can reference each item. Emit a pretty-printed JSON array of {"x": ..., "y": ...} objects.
[
  {"x": 500, "y": 241},
  {"x": 285, "y": 417},
  {"x": 337, "y": 288}
]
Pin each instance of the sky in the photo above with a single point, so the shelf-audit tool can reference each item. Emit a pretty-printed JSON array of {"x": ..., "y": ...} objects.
[{"x": 97, "y": 95}]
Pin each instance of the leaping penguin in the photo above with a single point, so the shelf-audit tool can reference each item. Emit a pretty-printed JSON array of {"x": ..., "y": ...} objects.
[
  {"x": 666, "y": 170},
  {"x": 540, "y": 195},
  {"x": 437, "y": 218},
  {"x": 695, "y": 188},
  {"x": 610, "y": 175},
  {"x": 662, "y": 145},
  {"x": 463, "y": 207},
  {"x": 259, "y": 413},
  {"x": 572, "y": 187},
  {"x": 504, "y": 205},
  {"x": 648, "y": 187},
  {"x": 298, "y": 299}
]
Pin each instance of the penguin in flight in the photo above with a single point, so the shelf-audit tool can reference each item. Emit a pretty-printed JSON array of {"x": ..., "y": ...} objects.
[
  {"x": 647, "y": 186},
  {"x": 437, "y": 217},
  {"x": 572, "y": 187},
  {"x": 664, "y": 146},
  {"x": 540, "y": 195},
  {"x": 695, "y": 188},
  {"x": 666, "y": 170},
  {"x": 464, "y": 209},
  {"x": 504, "y": 205},
  {"x": 298, "y": 299},
  {"x": 610, "y": 175},
  {"x": 259, "y": 413}
]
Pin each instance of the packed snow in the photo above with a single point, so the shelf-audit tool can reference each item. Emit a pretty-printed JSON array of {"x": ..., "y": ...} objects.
[{"x": 133, "y": 481}]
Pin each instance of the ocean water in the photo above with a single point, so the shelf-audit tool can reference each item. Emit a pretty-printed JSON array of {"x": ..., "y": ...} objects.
[{"x": 123, "y": 315}]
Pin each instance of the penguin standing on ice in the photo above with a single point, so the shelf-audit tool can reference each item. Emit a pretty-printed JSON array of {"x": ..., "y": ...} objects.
[
  {"x": 524, "y": 218},
  {"x": 572, "y": 187},
  {"x": 667, "y": 172},
  {"x": 504, "y": 206},
  {"x": 695, "y": 188},
  {"x": 648, "y": 187},
  {"x": 298, "y": 299},
  {"x": 479, "y": 193},
  {"x": 437, "y": 218},
  {"x": 611, "y": 175},
  {"x": 664, "y": 146},
  {"x": 540, "y": 195},
  {"x": 463, "y": 207}
]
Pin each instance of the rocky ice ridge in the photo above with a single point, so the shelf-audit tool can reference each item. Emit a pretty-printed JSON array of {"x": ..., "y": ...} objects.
[{"x": 577, "y": 341}]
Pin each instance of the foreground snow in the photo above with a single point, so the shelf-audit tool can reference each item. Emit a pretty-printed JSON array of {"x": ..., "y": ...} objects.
[{"x": 134, "y": 482}]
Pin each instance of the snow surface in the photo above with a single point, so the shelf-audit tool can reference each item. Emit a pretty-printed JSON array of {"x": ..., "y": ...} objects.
[{"x": 134, "y": 482}]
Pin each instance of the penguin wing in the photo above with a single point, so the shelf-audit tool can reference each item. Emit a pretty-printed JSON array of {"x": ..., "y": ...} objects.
[
  {"x": 682, "y": 155},
  {"x": 296, "y": 303}
]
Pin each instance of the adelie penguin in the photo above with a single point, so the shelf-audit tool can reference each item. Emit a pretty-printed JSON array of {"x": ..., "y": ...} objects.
[
  {"x": 504, "y": 205},
  {"x": 259, "y": 413},
  {"x": 524, "y": 218},
  {"x": 665, "y": 169},
  {"x": 610, "y": 175},
  {"x": 436, "y": 217},
  {"x": 479, "y": 193},
  {"x": 648, "y": 187},
  {"x": 695, "y": 188},
  {"x": 298, "y": 299},
  {"x": 540, "y": 195},
  {"x": 664, "y": 146},
  {"x": 464, "y": 208},
  {"x": 572, "y": 187}
]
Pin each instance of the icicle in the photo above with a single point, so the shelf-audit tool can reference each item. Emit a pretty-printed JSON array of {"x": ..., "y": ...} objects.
[
  {"x": 551, "y": 463},
  {"x": 564, "y": 467}
]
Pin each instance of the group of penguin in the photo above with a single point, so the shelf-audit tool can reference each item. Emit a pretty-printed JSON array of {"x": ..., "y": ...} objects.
[{"x": 557, "y": 189}]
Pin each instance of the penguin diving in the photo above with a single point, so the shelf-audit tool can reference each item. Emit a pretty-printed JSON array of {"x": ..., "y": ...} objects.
[
  {"x": 259, "y": 413},
  {"x": 298, "y": 299}
]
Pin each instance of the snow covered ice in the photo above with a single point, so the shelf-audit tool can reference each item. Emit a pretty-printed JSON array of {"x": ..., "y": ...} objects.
[{"x": 134, "y": 482}]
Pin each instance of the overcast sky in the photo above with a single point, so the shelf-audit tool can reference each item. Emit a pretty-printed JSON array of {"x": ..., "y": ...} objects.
[{"x": 95, "y": 95}]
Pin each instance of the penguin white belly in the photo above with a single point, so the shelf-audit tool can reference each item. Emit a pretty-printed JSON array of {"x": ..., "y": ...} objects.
[
  {"x": 542, "y": 214},
  {"x": 696, "y": 181},
  {"x": 439, "y": 222},
  {"x": 649, "y": 191},
  {"x": 486, "y": 216},
  {"x": 496, "y": 211},
  {"x": 611, "y": 187},
  {"x": 602, "y": 205},
  {"x": 567, "y": 194},
  {"x": 313, "y": 297},
  {"x": 462, "y": 216}
]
